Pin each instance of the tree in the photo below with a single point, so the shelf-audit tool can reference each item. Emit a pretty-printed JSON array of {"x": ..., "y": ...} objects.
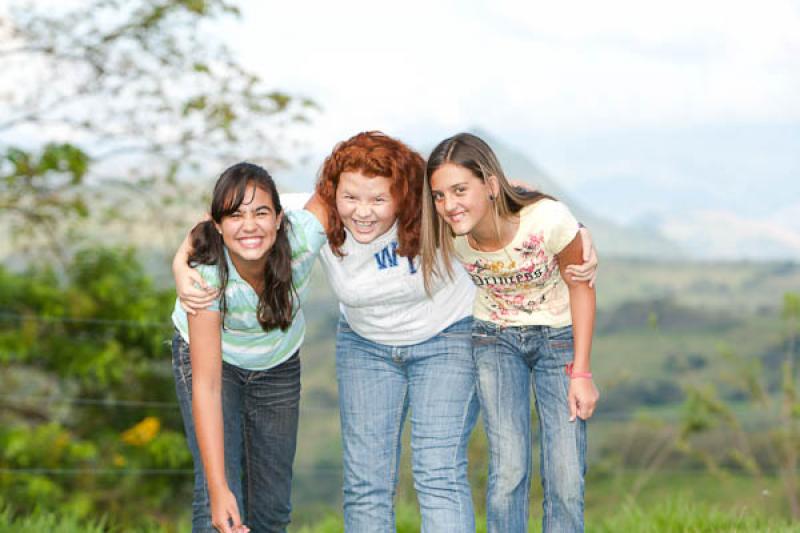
[
  {"x": 130, "y": 93},
  {"x": 106, "y": 107}
]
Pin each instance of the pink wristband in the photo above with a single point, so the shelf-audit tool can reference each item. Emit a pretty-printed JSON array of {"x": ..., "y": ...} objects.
[{"x": 575, "y": 375}]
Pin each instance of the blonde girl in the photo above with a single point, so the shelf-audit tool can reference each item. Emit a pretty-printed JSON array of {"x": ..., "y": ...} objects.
[{"x": 532, "y": 326}]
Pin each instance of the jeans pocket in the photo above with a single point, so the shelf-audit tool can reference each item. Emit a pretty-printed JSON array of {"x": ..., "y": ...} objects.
[
  {"x": 483, "y": 339},
  {"x": 561, "y": 343},
  {"x": 484, "y": 333}
]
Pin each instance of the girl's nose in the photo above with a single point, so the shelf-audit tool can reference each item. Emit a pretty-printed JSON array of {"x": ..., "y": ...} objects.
[{"x": 363, "y": 210}]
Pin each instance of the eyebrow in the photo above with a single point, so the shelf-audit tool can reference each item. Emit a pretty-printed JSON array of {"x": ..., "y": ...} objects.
[
  {"x": 460, "y": 183},
  {"x": 259, "y": 208}
]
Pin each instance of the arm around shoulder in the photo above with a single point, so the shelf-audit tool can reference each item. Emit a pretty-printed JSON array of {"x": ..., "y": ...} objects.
[{"x": 317, "y": 207}]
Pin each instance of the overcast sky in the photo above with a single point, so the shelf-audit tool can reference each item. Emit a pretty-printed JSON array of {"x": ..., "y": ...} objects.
[
  {"x": 678, "y": 113},
  {"x": 687, "y": 96}
]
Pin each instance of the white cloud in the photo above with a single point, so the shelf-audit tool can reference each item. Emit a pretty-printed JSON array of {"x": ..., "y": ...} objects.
[{"x": 522, "y": 66}]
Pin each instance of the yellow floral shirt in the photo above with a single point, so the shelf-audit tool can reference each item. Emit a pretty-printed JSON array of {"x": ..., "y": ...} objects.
[{"x": 520, "y": 285}]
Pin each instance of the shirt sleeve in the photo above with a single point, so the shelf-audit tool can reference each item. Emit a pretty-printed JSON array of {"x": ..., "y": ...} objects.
[
  {"x": 560, "y": 226},
  {"x": 307, "y": 236}
]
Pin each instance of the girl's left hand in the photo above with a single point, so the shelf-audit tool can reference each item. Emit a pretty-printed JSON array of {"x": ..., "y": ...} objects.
[
  {"x": 588, "y": 270},
  {"x": 582, "y": 398}
]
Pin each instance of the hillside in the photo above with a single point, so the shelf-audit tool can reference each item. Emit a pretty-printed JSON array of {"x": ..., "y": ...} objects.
[
  {"x": 611, "y": 239},
  {"x": 669, "y": 321}
]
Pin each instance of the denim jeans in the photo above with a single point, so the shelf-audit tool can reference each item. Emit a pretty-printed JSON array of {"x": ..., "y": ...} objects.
[
  {"x": 378, "y": 386},
  {"x": 508, "y": 361},
  {"x": 260, "y": 414}
]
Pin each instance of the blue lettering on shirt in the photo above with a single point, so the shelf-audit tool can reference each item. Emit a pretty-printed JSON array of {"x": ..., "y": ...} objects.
[{"x": 387, "y": 258}]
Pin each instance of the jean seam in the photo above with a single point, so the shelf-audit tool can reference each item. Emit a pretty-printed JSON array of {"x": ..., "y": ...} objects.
[
  {"x": 457, "y": 450},
  {"x": 246, "y": 436},
  {"x": 398, "y": 444},
  {"x": 547, "y": 503}
]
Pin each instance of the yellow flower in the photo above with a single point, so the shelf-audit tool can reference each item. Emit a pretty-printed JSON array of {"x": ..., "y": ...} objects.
[
  {"x": 118, "y": 460},
  {"x": 143, "y": 432}
]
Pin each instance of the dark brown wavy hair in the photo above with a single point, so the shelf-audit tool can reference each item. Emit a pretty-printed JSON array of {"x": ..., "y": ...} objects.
[
  {"x": 275, "y": 303},
  {"x": 373, "y": 153}
]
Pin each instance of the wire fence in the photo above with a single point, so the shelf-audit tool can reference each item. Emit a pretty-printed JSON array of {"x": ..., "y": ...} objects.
[
  {"x": 19, "y": 317},
  {"x": 22, "y": 400}
]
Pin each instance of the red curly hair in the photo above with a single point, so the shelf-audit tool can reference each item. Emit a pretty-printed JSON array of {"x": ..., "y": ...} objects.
[{"x": 373, "y": 153}]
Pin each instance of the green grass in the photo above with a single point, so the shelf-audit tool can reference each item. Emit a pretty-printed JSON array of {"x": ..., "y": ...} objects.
[
  {"x": 64, "y": 522},
  {"x": 683, "y": 516},
  {"x": 675, "y": 515},
  {"x": 41, "y": 521},
  {"x": 659, "y": 512}
]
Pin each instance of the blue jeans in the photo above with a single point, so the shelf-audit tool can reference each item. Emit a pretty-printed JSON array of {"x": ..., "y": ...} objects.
[
  {"x": 260, "y": 414},
  {"x": 378, "y": 385},
  {"x": 508, "y": 360}
]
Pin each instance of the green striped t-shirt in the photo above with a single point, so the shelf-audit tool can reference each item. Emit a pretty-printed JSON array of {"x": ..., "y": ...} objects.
[{"x": 244, "y": 343}]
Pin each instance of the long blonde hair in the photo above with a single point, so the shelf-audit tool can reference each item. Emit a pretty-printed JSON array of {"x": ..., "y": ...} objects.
[{"x": 472, "y": 153}]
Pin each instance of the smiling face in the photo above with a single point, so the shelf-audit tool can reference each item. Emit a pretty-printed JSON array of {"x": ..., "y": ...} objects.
[
  {"x": 249, "y": 232},
  {"x": 461, "y": 198},
  {"x": 365, "y": 205}
]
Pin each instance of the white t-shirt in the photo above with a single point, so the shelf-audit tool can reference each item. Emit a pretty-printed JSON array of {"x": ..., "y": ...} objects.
[
  {"x": 382, "y": 294},
  {"x": 521, "y": 285}
]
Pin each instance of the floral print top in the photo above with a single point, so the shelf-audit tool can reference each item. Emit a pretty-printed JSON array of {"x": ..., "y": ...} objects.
[{"x": 520, "y": 285}]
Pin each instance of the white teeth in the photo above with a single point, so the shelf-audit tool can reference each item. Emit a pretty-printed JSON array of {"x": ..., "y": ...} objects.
[{"x": 363, "y": 224}]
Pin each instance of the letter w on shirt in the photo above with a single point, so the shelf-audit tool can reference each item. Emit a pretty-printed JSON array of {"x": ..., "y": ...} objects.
[{"x": 387, "y": 257}]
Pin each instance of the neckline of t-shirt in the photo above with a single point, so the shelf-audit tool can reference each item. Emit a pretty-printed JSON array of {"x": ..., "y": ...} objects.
[
  {"x": 379, "y": 242},
  {"x": 504, "y": 250}
]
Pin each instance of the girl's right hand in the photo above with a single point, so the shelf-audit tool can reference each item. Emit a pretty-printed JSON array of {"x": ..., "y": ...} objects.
[
  {"x": 193, "y": 291},
  {"x": 225, "y": 513}
]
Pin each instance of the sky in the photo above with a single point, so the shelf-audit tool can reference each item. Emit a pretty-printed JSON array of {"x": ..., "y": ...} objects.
[
  {"x": 642, "y": 109},
  {"x": 680, "y": 115}
]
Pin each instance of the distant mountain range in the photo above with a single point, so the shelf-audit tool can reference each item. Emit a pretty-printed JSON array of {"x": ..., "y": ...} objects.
[
  {"x": 610, "y": 238},
  {"x": 669, "y": 221}
]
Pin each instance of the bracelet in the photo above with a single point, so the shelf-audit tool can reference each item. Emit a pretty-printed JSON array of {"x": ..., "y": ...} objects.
[{"x": 575, "y": 375}]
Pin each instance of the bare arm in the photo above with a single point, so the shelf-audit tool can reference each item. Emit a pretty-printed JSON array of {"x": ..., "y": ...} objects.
[
  {"x": 585, "y": 270},
  {"x": 316, "y": 207},
  {"x": 583, "y": 394},
  {"x": 192, "y": 289},
  {"x": 205, "y": 346}
]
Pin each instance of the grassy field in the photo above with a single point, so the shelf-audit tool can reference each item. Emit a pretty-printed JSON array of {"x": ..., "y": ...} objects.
[
  {"x": 673, "y": 515},
  {"x": 661, "y": 328}
]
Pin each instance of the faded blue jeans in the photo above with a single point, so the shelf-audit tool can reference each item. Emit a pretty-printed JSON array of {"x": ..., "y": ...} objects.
[
  {"x": 260, "y": 415},
  {"x": 509, "y": 360},
  {"x": 378, "y": 386}
]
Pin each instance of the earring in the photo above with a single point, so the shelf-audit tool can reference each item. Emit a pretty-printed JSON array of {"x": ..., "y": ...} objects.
[{"x": 491, "y": 197}]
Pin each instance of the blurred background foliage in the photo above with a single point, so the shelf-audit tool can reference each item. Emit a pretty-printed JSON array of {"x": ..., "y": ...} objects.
[{"x": 115, "y": 109}]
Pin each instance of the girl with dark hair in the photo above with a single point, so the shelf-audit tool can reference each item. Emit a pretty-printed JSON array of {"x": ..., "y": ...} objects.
[
  {"x": 398, "y": 349},
  {"x": 532, "y": 326},
  {"x": 236, "y": 364}
]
